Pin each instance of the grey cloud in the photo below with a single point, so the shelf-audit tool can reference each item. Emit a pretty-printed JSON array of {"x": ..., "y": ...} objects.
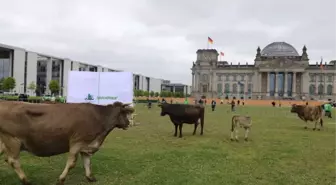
[{"x": 160, "y": 38}]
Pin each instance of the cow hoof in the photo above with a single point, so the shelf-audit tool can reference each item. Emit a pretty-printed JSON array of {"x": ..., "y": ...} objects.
[
  {"x": 237, "y": 140},
  {"x": 305, "y": 127},
  {"x": 91, "y": 179},
  {"x": 180, "y": 136},
  {"x": 314, "y": 128},
  {"x": 246, "y": 139},
  {"x": 318, "y": 129},
  {"x": 232, "y": 139},
  {"x": 60, "y": 182},
  {"x": 25, "y": 182}
]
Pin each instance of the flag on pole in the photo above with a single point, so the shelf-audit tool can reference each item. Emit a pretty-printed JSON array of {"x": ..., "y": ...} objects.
[
  {"x": 321, "y": 67},
  {"x": 321, "y": 64},
  {"x": 221, "y": 53},
  {"x": 210, "y": 41}
]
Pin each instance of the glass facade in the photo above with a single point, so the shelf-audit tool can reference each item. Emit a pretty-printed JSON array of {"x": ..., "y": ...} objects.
[
  {"x": 5, "y": 68},
  {"x": 5, "y": 64},
  {"x": 280, "y": 82}
]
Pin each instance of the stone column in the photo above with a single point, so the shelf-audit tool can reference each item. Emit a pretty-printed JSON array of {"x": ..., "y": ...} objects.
[
  {"x": 193, "y": 82},
  {"x": 325, "y": 78},
  {"x": 268, "y": 84},
  {"x": 285, "y": 88},
  {"x": 334, "y": 88},
  {"x": 276, "y": 84},
  {"x": 214, "y": 83},
  {"x": 294, "y": 85},
  {"x": 259, "y": 82},
  {"x": 210, "y": 82},
  {"x": 49, "y": 75},
  {"x": 316, "y": 84},
  {"x": 246, "y": 83}
]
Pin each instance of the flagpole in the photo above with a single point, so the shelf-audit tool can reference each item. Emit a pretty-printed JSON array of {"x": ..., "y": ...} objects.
[
  {"x": 323, "y": 78},
  {"x": 321, "y": 67}
]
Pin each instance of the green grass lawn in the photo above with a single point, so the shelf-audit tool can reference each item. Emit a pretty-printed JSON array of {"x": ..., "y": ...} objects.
[{"x": 280, "y": 152}]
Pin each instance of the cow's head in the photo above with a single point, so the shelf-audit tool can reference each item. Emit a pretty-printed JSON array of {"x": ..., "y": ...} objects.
[
  {"x": 294, "y": 108},
  {"x": 121, "y": 114},
  {"x": 162, "y": 105}
]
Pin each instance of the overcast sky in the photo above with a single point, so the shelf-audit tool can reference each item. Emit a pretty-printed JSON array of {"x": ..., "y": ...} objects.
[{"x": 159, "y": 38}]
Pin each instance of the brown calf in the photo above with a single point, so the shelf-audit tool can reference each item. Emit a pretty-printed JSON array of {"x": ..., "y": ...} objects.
[{"x": 242, "y": 122}]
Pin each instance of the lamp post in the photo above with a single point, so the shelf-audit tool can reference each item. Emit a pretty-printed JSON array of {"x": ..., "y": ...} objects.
[{"x": 21, "y": 88}]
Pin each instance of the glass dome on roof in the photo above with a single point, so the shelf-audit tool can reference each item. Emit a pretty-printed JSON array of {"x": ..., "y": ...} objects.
[{"x": 277, "y": 49}]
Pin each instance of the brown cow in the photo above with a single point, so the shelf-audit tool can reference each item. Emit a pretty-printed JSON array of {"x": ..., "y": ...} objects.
[
  {"x": 309, "y": 113},
  {"x": 48, "y": 130}
]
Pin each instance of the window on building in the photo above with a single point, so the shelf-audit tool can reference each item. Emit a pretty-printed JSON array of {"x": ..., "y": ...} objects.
[
  {"x": 329, "y": 90},
  {"x": 330, "y": 78},
  {"x": 250, "y": 78},
  {"x": 227, "y": 77},
  {"x": 234, "y": 77},
  {"x": 312, "y": 78}
]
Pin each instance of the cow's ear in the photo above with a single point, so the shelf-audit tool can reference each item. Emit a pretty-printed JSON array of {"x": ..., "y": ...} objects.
[
  {"x": 128, "y": 110},
  {"x": 126, "y": 104}
]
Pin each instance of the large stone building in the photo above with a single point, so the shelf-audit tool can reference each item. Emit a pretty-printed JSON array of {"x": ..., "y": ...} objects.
[
  {"x": 29, "y": 67},
  {"x": 279, "y": 71}
]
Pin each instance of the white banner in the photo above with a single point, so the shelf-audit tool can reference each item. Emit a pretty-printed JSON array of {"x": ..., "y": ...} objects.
[{"x": 100, "y": 87}]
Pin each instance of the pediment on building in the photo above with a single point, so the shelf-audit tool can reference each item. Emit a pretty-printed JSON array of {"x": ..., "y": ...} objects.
[{"x": 282, "y": 63}]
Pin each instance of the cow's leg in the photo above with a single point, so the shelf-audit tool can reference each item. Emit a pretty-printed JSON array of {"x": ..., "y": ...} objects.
[
  {"x": 315, "y": 125},
  {"x": 306, "y": 124},
  {"x": 195, "y": 127},
  {"x": 247, "y": 130},
  {"x": 180, "y": 128},
  {"x": 232, "y": 134},
  {"x": 175, "y": 134},
  {"x": 87, "y": 166},
  {"x": 237, "y": 139},
  {"x": 71, "y": 162},
  {"x": 321, "y": 122},
  {"x": 12, "y": 153}
]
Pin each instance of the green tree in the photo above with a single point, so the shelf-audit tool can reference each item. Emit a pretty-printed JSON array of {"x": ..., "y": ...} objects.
[
  {"x": 169, "y": 94},
  {"x": 32, "y": 87},
  {"x": 146, "y": 94},
  {"x": 1, "y": 83},
  {"x": 54, "y": 86},
  {"x": 152, "y": 93},
  {"x": 156, "y": 94},
  {"x": 136, "y": 93},
  {"x": 8, "y": 83},
  {"x": 141, "y": 92}
]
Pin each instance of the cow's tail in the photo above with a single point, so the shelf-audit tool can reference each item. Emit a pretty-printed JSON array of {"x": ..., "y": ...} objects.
[
  {"x": 321, "y": 115},
  {"x": 2, "y": 146},
  {"x": 202, "y": 117},
  {"x": 233, "y": 123}
]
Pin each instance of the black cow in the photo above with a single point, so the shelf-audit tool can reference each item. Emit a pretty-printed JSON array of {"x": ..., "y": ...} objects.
[{"x": 184, "y": 113}]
